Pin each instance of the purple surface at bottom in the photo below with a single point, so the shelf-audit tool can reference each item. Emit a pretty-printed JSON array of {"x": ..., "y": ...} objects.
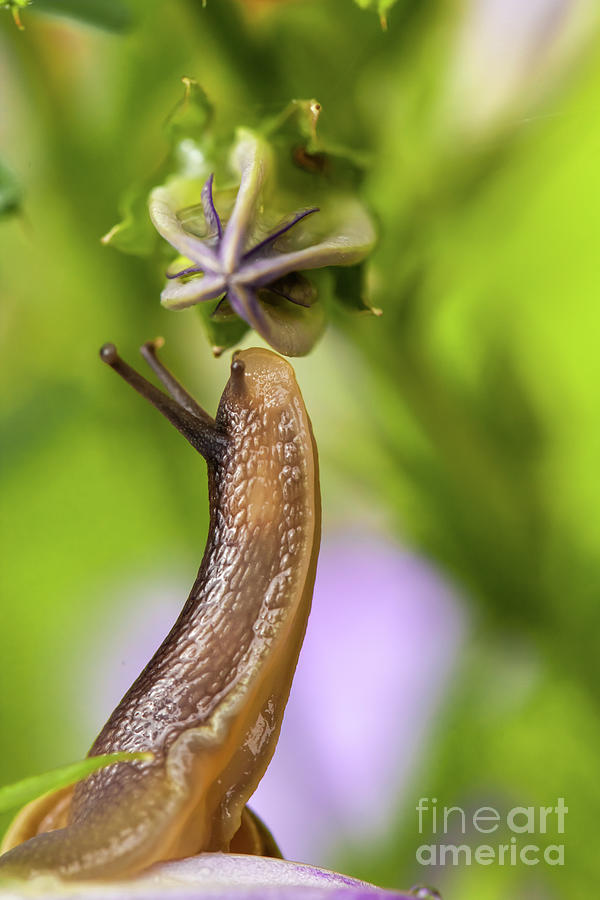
[{"x": 214, "y": 875}]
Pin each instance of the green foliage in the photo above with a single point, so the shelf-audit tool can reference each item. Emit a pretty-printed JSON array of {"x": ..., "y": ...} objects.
[
  {"x": 113, "y": 15},
  {"x": 22, "y": 792},
  {"x": 10, "y": 192}
]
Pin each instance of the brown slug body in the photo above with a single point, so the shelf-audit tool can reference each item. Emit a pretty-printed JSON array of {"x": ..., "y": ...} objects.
[{"x": 209, "y": 703}]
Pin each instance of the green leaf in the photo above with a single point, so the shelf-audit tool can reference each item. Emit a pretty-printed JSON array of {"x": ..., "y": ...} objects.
[
  {"x": 112, "y": 15},
  {"x": 10, "y": 192},
  {"x": 22, "y": 792}
]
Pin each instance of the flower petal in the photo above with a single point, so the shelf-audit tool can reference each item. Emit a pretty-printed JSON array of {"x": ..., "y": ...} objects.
[
  {"x": 282, "y": 229},
  {"x": 251, "y": 159},
  {"x": 168, "y": 225},
  {"x": 348, "y": 241},
  {"x": 289, "y": 328},
  {"x": 295, "y": 288},
  {"x": 210, "y": 212},
  {"x": 179, "y": 294}
]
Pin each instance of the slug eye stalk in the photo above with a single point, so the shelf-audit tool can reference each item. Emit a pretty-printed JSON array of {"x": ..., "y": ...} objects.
[
  {"x": 182, "y": 411},
  {"x": 149, "y": 351}
]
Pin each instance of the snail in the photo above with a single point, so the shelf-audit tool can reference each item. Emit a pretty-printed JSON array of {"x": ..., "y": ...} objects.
[{"x": 210, "y": 702}]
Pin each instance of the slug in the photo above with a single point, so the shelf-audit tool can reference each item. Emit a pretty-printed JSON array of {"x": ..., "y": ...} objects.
[{"x": 209, "y": 704}]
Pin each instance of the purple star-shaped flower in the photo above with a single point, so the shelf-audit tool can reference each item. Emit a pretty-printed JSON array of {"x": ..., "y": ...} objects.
[{"x": 239, "y": 262}]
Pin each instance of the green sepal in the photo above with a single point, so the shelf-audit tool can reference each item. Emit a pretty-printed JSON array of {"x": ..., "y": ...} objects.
[
  {"x": 192, "y": 116},
  {"x": 304, "y": 152},
  {"x": 135, "y": 233},
  {"x": 22, "y": 792},
  {"x": 15, "y": 7},
  {"x": 382, "y": 7},
  {"x": 349, "y": 289},
  {"x": 190, "y": 144},
  {"x": 223, "y": 329}
]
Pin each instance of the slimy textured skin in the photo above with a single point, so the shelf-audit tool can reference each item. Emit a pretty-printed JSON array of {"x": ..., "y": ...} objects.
[{"x": 209, "y": 704}]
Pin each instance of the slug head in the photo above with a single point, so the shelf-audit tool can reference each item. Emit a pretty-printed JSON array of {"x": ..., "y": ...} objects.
[{"x": 260, "y": 379}]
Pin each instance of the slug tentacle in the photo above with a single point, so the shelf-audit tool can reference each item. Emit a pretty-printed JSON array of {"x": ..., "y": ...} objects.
[
  {"x": 174, "y": 387},
  {"x": 210, "y": 702},
  {"x": 204, "y": 436},
  {"x": 238, "y": 369}
]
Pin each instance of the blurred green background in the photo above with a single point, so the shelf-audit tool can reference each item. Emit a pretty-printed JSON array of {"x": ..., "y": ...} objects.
[{"x": 464, "y": 421}]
